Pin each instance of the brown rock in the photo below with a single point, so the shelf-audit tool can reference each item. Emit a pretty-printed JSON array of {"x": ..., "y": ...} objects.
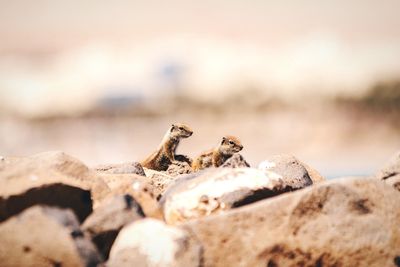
[
  {"x": 51, "y": 178},
  {"x": 184, "y": 158},
  {"x": 159, "y": 180},
  {"x": 42, "y": 236},
  {"x": 178, "y": 168},
  {"x": 138, "y": 187},
  {"x": 293, "y": 171},
  {"x": 390, "y": 173},
  {"x": 123, "y": 168},
  {"x": 236, "y": 161},
  {"x": 217, "y": 190},
  {"x": 152, "y": 243},
  {"x": 315, "y": 176},
  {"x": 104, "y": 224},
  {"x": 343, "y": 222}
]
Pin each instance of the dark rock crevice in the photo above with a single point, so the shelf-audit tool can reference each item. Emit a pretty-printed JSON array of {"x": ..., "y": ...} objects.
[{"x": 58, "y": 195}]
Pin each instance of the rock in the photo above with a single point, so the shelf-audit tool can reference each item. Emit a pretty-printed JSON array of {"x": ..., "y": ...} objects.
[
  {"x": 179, "y": 168},
  {"x": 152, "y": 243},
  {"x": 54, "y": 160},
  {"x": 315, "y": 176},
  {"x": 42, "y": 236},
  {"x": 68, "y": 166},
  {"x": 123, "y": 168},
  {"x": 342, "y": 222},
  {"x": 390, "y": 173},
  {"x": 159, "y": 180},
  {"x": 138, "y": 187},
  {"x": 236, "y": 161},
  {"x": 52, "y": 178},
  {"x": 293, "y": 172},
  {"x": 184, "y": 158},
  {"x": 216, "y": 190},
  {"x": 106, "y": 221}
]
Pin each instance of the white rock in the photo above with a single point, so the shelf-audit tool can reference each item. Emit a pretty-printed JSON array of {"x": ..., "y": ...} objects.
[
  {"x": 217, "y": 190},
  {"x": 150, "y": 243}
]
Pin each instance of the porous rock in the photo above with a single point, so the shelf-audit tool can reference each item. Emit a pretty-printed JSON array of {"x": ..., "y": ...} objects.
[
  {"x": 217, "y": 190},
  {"x": 343, "y": 222},
  {"x": 139, "y": 187},
  {"x": 43, "y": 236},
  {"x": 51, "y": 178},
  {"x": 159, "y": 180},
  {"x": 390, "y": 173},
  {"x": 291, "y": 169},
  {"x": 236, "y": 161},
  {"x": 152, "y": 243},
  {"x": 122, "y": 168},
  {"x": 184, "y": 158},
  {"x": 178, "y": 168},
  {"x": 104, "y": 224},
  {"x": 315, "y": 176}
]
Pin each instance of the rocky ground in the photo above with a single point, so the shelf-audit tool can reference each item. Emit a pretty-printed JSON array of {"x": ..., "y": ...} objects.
[{"x": 56, "y": 211}]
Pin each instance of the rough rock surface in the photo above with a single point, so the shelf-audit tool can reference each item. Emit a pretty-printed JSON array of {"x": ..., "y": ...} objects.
[
  {"x": 152, "y": 243},
  {"x": 51, "y": 178},
  {"x": 315, "y": 176},
  {"x": 138, "y": 187},
  {"x": 43, "y": 236},
  {"x": 56, "y": 161},
  {"x": 184, "y": 158},
  {"x": 343, "y": 222},
  {"x": 236, "y": 161},
  {"x": 217, "y": 190},
  {"x": 178, "y": 168},
  {"x": 107, "y": 220},
  {"x": 122, "y": 168},
  {"x": 390, "y": 173},
  {"x": 159, "y": 180},
  {"x": 292, "y": 170}
]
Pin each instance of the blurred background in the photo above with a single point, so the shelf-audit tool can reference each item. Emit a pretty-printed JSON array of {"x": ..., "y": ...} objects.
[{"x": 103, "y": 80}]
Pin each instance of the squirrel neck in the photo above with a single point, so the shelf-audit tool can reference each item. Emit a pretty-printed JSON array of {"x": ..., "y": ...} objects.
[
  {"x": 220, "y": 152},
  {"x": 219, "y": 157},
  {"x": 169, "y": 143}
]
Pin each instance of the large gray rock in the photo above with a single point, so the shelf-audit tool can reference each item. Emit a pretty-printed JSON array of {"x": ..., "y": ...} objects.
[
  {"x": 122, "y": 168},
  {"x": 217, "y": 190},
  {"x": 390, "y": 173},
  {"x": 151, "y": 243},
  {"x": 51, "y": 178},
  {"x": 294, "y": 173},
  {"x": 104, "y": 224},
  {"x": 42, "y": 236},
  {"x": 343, "y": 222}
]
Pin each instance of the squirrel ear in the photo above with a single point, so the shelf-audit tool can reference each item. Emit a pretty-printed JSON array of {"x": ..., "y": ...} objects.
[{"x": 223, "y": 140}]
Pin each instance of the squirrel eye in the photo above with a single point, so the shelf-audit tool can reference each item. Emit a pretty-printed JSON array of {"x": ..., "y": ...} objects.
[
  {"x": 180, "y": 128},
  {"x": 231, "y": 142}
]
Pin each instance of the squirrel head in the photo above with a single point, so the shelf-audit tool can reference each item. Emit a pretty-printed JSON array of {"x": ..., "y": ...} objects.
[
  {"x": 230, "y": 145},
  {"x": 180, "y": 130}
]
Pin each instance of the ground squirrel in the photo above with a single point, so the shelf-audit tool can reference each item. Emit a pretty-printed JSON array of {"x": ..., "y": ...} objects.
[
  {"x": 165, "y": 154},
  {"x": 217, "y": 156}
]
